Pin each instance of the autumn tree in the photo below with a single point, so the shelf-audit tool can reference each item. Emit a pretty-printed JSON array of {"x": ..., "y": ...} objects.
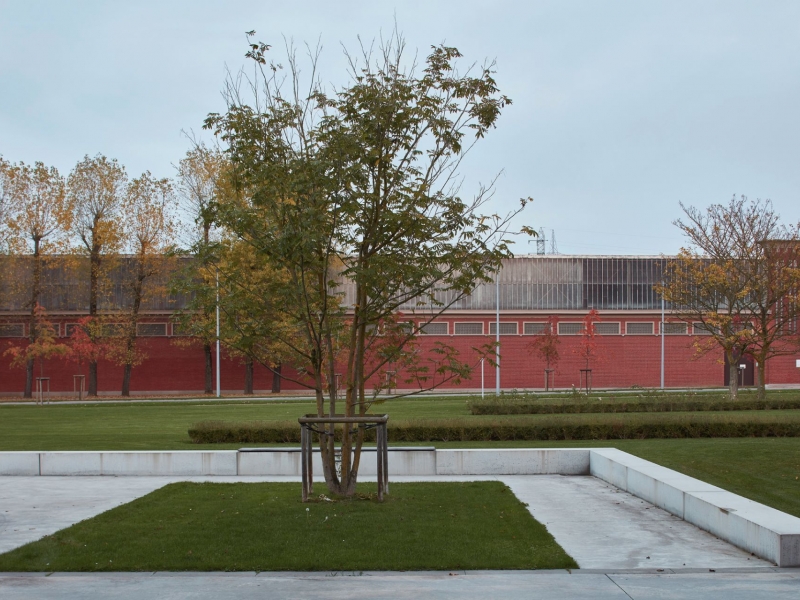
[
  {"x": 587, "y": 347},
  {"x": 357, "y": 191},
  {"x": 87, "y": 344},
  {"x": 96, "y": 188},
  {"x": 545, "y": 347},
  {"x": 775, "y": 297},
  {"x": 6, "y": 205},
  {"x": 38, "y": 228},
  {"x": 738, "y": 280},
  {"x": 45, "y": 345},
  {"x": 6, "y": 215},
  {"x": 149, "y": 227},
  {"x": 197, "y": 186}
]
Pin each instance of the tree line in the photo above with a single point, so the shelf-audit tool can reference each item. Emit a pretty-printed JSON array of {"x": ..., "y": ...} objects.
[{"x": 104, "y": 229}]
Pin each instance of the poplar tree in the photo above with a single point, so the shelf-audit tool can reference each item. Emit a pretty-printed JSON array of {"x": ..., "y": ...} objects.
[
  {"x": 96, "y": 188},
  {"x": 197, "y": 186},
  {"x": 38, "y": 228},
  {"x": 149, "y": 208}
]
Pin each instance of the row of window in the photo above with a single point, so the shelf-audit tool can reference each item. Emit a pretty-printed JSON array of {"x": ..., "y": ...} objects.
[
  {"x": 564, "y": 328},
  {"x": 436, "y": 328},
  {"x": 17, "y": 330}
]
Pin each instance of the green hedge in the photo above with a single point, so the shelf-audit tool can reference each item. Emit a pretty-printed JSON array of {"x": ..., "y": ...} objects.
[
  {"x": 531, "y": 407},
  {"x": 469, "y": 430}
]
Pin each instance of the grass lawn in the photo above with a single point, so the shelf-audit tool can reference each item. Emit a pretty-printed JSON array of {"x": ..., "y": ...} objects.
[
  {"x": 764, "y": 469},
  {"x": 265, "y": 527},
  {"x": 164, "y": 426}
]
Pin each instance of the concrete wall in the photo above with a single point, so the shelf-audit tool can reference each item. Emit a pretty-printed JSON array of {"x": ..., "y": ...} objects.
[{"x": 764, "y": 531}]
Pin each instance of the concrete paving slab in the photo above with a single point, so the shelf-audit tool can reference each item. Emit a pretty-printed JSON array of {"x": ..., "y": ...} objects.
[
  {"x": 509, "y": 585},
  {"x": 730, "y": 586},
  {"x": 32, "y": 507},
  {"x": 602, "y": 527},
  {"x": 311, "y": 586}
]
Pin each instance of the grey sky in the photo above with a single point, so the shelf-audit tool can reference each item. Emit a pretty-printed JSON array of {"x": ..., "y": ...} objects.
[{"x": 621, "y": 109}]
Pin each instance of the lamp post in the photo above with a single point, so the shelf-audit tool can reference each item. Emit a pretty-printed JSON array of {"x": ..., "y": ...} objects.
[
  {"x": 219, "y": 391},
  {"x": 497, "y": 332},
  {"x": 662, "y": 342}
]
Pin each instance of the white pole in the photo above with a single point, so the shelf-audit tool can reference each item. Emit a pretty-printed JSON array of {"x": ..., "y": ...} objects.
[
  {"x": 218, "y": 379},
  {"x": 482, "y": 389},
  {"x": 497, "y": 331},
  {"x": 662, "y": 342}
]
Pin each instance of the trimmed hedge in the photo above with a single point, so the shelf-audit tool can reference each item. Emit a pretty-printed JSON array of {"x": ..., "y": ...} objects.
[
  {"x": 531, "y": 407},
  {"x": 485, "y": 430}
]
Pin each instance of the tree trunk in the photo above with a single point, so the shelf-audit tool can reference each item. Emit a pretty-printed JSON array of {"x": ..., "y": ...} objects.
[
  {"x": 248, "y": 376},
  {"x": 762, "y": 379},
  {"x": 126, "y": 381},
  {"x": 29, "y": 379},
  {"x": 94, "y": 278},
  {"x": 92, "y": 389},
  {"x": 276, "y": 379},
  {"x": 209, "y": 389},
  {"x": 33, "y": 333},
  {"x": 733, "y": 374}
]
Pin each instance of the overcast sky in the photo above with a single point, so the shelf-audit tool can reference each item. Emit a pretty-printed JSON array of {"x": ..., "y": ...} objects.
[{"x": 621, "y": 109}]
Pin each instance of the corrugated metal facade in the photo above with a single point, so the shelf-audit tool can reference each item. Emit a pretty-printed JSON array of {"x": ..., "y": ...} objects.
[{"x": 546, "y": 283}]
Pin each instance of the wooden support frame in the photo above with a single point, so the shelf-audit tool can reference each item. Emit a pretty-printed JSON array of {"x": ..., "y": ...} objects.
[{"x": 307, "y": 429}]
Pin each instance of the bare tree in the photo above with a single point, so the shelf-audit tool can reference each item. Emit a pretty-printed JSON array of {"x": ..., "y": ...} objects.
[{"x": 197, "y": 187}]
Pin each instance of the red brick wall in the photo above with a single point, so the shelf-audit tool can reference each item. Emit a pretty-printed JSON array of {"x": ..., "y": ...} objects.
[{"x": 625, "y": 360}]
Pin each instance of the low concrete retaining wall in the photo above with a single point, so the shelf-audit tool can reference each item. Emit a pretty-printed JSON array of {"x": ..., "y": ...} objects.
[
  {"x": 513, "y": 461},
  {"x": 280, "y": 461},
  {"x": 764, "y": 531}
]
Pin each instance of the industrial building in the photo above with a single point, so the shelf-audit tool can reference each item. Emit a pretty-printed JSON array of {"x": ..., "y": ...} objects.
[{"x": 639, "y": 342}]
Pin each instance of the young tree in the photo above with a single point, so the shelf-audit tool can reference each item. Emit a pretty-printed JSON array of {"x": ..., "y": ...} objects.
[
  {"x": 356, "y": 192},
  {"x": 587, "y": 349},
  {"x": 150, "y": 229},
  {"x": 198, "y": 184},
  {"x": 545, "y": 347},
  {"x": 96, "y": 189},
  {"x": 43, "y": 347},
  {"x": 87, "y": 343},
  {"x": 38, "y": 227},
  {"x": 738, "y": 281}
]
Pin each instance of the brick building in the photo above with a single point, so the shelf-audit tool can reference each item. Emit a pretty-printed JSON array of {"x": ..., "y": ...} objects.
[{"x": 533, "y": 291}]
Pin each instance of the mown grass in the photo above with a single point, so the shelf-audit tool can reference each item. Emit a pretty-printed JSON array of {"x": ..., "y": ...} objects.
[
  {"x": 265, "y": 527},
  {"x": 164, "y": 426},
  {"x": 764, "y": 469}
]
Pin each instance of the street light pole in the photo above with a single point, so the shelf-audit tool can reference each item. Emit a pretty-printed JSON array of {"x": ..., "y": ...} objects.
[
  {"x": 497, "y": 331},
  {"x": 218, "y": 378},
  {"x": 662, "y": 342}
]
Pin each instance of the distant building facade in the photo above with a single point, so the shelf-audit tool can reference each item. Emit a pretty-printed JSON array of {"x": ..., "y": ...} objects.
[{"x": 533, "y": 291}]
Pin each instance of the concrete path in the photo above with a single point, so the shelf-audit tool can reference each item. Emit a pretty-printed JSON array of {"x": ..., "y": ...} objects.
[
  {"x": 777, "y": 584},
  {"x": 609, "y": 532},
  {"x": 600, "y": 526}
]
